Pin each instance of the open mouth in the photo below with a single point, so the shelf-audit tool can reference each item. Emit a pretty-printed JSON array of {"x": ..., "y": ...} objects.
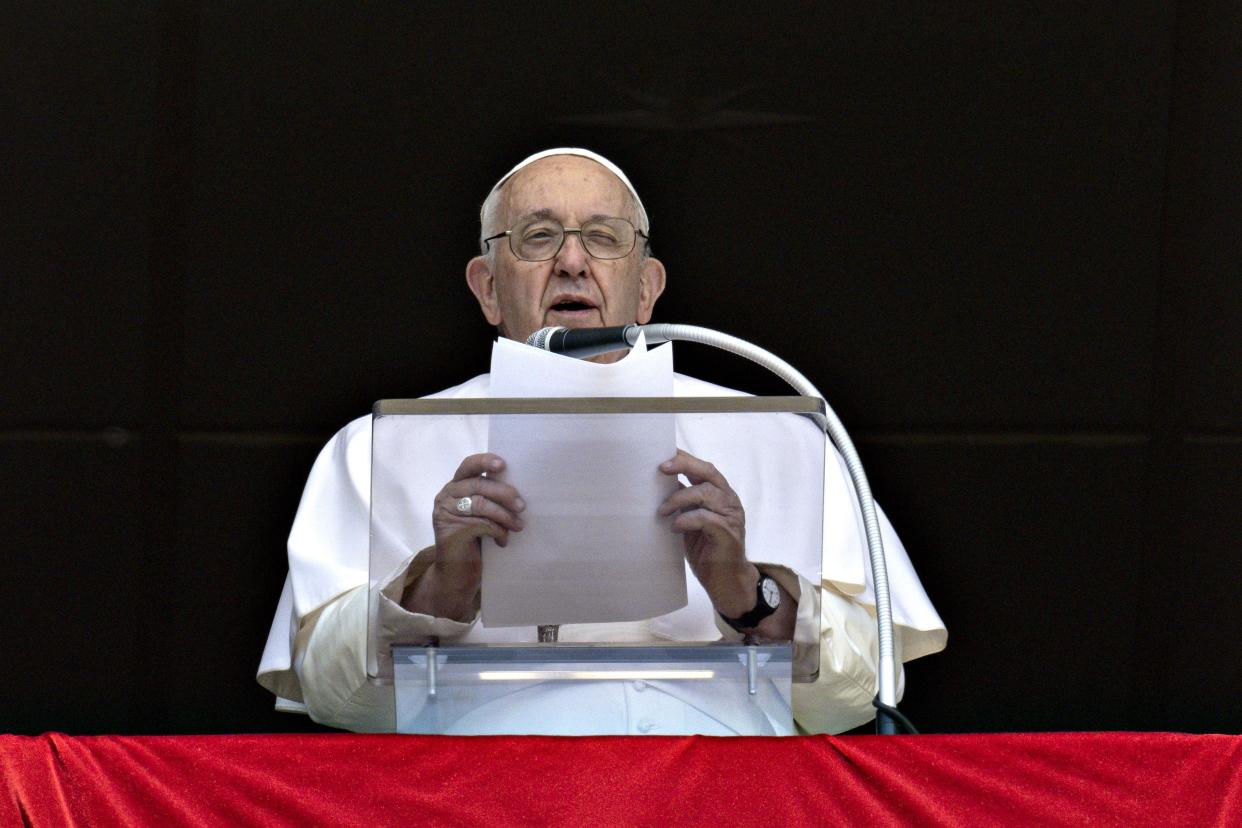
[{"x": 571, "y": 306}]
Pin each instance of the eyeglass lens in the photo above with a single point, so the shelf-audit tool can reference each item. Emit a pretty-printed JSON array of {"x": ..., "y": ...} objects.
[{"x": 541, "y": 239}]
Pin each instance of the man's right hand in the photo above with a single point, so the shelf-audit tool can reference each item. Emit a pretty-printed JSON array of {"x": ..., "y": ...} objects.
[{"x": 450, "y": 586}]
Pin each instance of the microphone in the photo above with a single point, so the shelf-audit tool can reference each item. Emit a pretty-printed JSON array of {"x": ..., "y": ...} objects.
[{"x": 584, "y": 342}]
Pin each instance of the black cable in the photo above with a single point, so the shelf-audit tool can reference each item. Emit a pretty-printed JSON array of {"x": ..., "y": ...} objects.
[{"x": 889, "y": 710}]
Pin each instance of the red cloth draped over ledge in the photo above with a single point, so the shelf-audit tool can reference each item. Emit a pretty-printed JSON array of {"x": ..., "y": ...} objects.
[{"x": 1038, "y": 778}]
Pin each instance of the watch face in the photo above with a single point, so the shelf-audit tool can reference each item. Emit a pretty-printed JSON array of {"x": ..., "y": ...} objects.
[{"x": 771, "y": 593}]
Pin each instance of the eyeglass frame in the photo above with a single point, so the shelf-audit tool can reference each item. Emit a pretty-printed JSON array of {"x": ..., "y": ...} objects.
[{"x": 565, "y": 231}]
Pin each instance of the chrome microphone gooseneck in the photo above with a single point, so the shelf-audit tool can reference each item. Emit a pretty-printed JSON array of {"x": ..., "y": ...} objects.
[{"x": 886, "y": 664}]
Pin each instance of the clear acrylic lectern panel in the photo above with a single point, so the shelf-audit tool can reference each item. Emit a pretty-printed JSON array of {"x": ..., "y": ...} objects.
[
  {"x": 601, "y": 690},
  {"x": 626, "y": 589}
]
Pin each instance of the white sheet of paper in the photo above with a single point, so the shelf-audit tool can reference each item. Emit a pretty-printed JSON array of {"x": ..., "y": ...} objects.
[{"x": 594, "y": 550}]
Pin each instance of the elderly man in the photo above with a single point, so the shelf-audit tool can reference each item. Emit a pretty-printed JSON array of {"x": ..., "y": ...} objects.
[{"x": 564, "y": 238}]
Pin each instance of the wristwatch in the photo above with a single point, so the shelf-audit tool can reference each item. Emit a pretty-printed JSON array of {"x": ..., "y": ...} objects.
[{"x": 768, "y": 598}]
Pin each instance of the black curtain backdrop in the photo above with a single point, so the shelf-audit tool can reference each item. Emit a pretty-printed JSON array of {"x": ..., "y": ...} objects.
[{"x": 1004, "y": 240}]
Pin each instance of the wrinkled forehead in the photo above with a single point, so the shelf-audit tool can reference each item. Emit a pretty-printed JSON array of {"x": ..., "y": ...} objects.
[{"x": 566, "y": 187}]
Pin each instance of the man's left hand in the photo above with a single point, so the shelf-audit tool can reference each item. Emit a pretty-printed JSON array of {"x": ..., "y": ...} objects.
[{"x": 710, "y": 517}]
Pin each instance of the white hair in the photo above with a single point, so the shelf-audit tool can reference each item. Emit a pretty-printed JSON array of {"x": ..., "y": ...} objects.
[{"x": 489, "y": 212}]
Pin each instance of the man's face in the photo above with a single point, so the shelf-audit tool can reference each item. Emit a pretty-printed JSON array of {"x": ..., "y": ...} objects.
[{"x": 573, "y": 289}]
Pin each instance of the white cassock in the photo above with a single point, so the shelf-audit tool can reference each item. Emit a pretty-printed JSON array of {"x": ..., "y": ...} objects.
[{"x": 315, "y": 660}]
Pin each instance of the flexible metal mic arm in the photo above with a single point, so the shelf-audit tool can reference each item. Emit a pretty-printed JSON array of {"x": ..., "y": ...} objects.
[{"x": 886, "y": 669}]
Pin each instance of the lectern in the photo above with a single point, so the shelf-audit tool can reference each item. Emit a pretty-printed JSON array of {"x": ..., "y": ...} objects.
[{"x": 598, "y": 626}]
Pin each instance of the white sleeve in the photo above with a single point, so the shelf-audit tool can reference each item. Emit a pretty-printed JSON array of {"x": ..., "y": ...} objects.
[
  {"x": 331, "y": 656},
  {"x": 840, "y": 698},
  {"x": 315, "y": 659},
  {"x": 847, "y": 640}
]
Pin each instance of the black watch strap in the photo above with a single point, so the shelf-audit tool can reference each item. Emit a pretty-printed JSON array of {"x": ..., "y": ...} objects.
[{"x": 761, "y": 611}]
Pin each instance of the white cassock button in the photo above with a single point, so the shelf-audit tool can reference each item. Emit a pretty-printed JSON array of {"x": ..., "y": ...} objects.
[
  {"x": 640, "y": 685},
  {"x": 646, "y": 725}
]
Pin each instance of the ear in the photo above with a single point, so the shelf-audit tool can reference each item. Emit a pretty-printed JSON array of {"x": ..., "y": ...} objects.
[
  {"x": 650, "y": 286},
  {"x": 482, "y": 282}
]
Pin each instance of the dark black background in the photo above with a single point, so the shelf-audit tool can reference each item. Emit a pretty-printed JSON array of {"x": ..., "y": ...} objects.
[{"x": 1003, "y": 239}]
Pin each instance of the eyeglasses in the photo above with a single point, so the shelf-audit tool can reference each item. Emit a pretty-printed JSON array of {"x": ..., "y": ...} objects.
[{"x": 538, "y": 240}]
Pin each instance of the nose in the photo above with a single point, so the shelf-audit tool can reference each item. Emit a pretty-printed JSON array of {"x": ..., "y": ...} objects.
[{"x": 572, "y": 259}]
